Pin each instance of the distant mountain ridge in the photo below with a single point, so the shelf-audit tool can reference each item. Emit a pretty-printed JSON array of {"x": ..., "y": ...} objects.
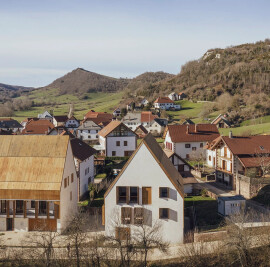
[
  {"x": 84, "y": 81},
  {"x": 242, "y": 70}
]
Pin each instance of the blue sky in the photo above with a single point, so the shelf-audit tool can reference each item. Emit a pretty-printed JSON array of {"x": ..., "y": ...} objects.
[{"x": 42, "y": 40}]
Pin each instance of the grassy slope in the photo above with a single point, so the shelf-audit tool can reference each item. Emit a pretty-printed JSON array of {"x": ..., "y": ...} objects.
[{"x": 60, "y": 104}]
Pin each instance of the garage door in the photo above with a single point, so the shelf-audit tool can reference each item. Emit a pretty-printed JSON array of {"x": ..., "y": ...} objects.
[{"x": 42, "y": 225}]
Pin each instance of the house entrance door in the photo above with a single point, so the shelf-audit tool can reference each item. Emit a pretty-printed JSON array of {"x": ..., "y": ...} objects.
[{"x": 9, "y": 224}]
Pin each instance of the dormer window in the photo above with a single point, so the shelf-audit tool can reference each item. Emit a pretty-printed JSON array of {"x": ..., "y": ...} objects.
[{"x": 261, "y": 147}]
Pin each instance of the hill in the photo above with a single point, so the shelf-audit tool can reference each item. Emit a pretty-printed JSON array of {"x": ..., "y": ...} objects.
[
  {"x": 81, "y": 81},
  {"x": 11, "y": 91},
  {"x": 243, "y": 70}
]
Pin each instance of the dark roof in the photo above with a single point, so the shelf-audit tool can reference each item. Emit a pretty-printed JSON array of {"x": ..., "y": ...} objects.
[
  {"x": 62, "y": 118},
  {"x": 186, "y": 121},
  {"x": 174, "y": 176},
  {"x": 219, "y": 118},
  {"x": 9, "y": 123},
  {"x": 161, "y": 122},
  {"x": 141, "y": 127},
  {"x": 81, "y": 150},
  {"x": 192, "y": 133},
  {"x": 231, "y": 198},
  {"x": 4, "y": 132}
]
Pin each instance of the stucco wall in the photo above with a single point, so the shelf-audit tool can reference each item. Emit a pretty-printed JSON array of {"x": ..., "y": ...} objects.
[
  {"x": 68, "y": 207},
  {"x": 3, "y": 224},
  {"x": 182, "y": 151},
  {"x": 21, "y": 224},
  {"x": 143, "y": 170},
  {"x": 111, "y": 145}
]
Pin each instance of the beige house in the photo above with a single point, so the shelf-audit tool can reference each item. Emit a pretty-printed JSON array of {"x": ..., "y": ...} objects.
[{"x": 38, "y": 183}]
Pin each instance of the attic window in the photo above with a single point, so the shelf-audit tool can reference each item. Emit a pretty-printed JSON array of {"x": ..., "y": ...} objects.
[{"x": 261, "y": 147}]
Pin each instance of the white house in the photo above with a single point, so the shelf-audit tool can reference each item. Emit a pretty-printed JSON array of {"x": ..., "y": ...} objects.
[
  {"x": 117, "y": 140},
  {"x": 38, "y": 183},
  {"x": 72, "y": 123},
  {"x": 148, "y": 191},
  {"x": 231, "y": 205},
  {"x": 117, "y": 112},
  {"x": 59, "y": 120},
  {"x": 165, "y": 103},
  {"x": 46, "y": 115},
  {"x": 8, "y": 124},
  {"x": 150, "y": 122},
  {"x": 88, "y": 131},
  {"x": 187, "y": 140},
  {"x": 144, "y": 102},
  {"x": 84, "y": 162},
  {"x": 173, "y": 96}
]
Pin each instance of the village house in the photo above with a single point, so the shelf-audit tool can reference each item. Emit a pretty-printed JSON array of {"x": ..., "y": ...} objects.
[
  {"x": 38, "y": 183},
  {"x": 130, "y": 105},
  {"x": 88, "y": 131},
  {"x": 72, "y": 123},
  {"x": 166, "y": 103},
  {"x": 117, "y": 140},
  {"x": 240, "y": 162},
  {"x": 150, "y": 122},
  {"x": 60, "y": 120},
  {"x": 148, "y": 191},
  {"x": 221, "y": 122},
  {"x": 46, "y": 116},
  {"x": 141, "y": 131},
  {"x": 37, "y": 127},
  {"x": 117, "y": 112},
  {"x": 144, "y": 102},
  {"x": 186, "y": 140},
  {"x": 173, "y": 96},
  {"x": 9, "y": 124},
  {"x": 182, "y": 96},
  {"x": 61, "y": 130},
  {"x": 84, "y": 162},
  {"x": 100, "y": 118}
]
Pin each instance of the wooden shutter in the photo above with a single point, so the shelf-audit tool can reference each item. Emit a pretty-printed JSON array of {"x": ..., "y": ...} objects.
[
  {"x": 117, "y": 194},
  {"x": 56, "y": 210},
  {"x": 138, "y": 195},
  {"x": 24, "y": 209},
  {"x": 103, "y": 214},
  {"x": 146, "y": 195},
  {"x": 127, "y": 194},
  {"x": 168, "y": 192},
  {"x": 7, "y": 207},
  {"x": 36, "y": 209},
  {"x": 138, "y": 215}
]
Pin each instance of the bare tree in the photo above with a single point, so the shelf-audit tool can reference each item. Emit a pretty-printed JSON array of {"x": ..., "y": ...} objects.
[
  {"x": 199, "y": 157},
  {"x": 263, "y": 161}
]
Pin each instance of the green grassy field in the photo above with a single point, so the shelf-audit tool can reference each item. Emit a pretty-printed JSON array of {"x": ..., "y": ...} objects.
[{"x": 50, "y": 100}]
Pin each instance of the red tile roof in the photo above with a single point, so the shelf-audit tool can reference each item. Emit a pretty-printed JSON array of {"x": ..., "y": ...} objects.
[
  {"x": 163, "y": 99},
  {"x": 38, "y": 127},
  {"x": 147, "y": 116},
  {"x": 98, "y": 117},
  {"x": 192, "y": 133}
]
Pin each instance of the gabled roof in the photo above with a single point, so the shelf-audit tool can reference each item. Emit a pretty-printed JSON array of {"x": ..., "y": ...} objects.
[
  {"x": 62, "y": 118},
  {"x": 186, "y": 121},
  {"x": 33, "y": 165},
  {"x": 112, "y": 126},
  {"x": 102, "y": 115},
  {"x": 142, "y": 128},
  {"x": 163, "y": 161},
  {"x": 89, "y": 124},
  {"x": 163, "y": 99},
  {"x": 81, "y": 150},
  {"x": 36, "y": 126},
  {"x": 219, "y": 118},
  {"x": 9, "y": 123},
  {"x": 147, "y": 116},
  {"x": 192, "y": 133}
]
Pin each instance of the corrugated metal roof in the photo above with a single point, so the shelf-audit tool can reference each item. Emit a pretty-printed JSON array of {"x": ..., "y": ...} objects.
[{"x": 32, "y": 162}]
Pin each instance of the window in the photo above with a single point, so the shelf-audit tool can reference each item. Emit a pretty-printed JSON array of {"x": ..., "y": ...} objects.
[
  {"x": 134, "y": 192},
  {"x": 121, "y": 194},
  {"x": 65, "y": 182},
  {"x": 187, "y": 156},
  {"x": 113, "y": 153},
  {"x": 122, "y": 233},
  {"x": 138, "y": 215},
  {"x": 19, "y": 206},
  {"x": 126, "y": 213},
  {"x": 42, "y": 209},
  {"x": 70, "y": 196},
  {"x": 125, "y": 143},
  {"x": 72, "y": 178},
  {"x": 3, "y": 206},
  {"x": 209, "y": 158},
  {"x": 33, "y": 204},
  {"x": 201, "y": 145},
  {"x": 187, "y": 145},
  {"x": 163, "y": 213},
  {"x": 194, "y": 148},
  {"x": 163, "y": 192},
  {"x": 146, "y": 195},
  {"x": 117, "y": 143}
]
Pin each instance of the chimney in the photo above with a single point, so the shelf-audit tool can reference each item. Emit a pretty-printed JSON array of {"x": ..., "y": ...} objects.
[
  {"x": 230, "y": 134},
  {"x": 187, "y": 129}
]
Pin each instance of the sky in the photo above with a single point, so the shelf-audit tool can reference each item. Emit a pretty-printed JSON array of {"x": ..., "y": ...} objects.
[{"x": 43, "y": 40}]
